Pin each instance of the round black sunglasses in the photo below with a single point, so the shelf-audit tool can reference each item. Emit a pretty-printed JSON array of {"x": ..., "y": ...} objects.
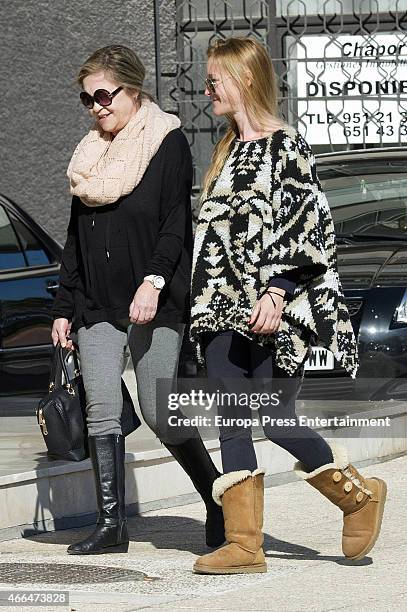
[{"x": 101, "y": 97}]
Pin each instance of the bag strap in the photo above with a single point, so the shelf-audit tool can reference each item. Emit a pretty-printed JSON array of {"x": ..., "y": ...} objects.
[
  {"x": 74, "y": 352},
  {"x": 55, "y": 373},
  {"x": 59, "y": 367}
]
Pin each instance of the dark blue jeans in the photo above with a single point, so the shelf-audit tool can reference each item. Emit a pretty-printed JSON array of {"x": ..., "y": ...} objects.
[{"x": 237, "y": 365}]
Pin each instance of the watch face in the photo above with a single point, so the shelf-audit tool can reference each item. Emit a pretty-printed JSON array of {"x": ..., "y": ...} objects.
[{"x": 159, "y": 282}]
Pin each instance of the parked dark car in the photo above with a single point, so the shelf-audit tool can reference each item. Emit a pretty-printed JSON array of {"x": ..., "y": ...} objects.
[
  {"x": 367, "y": 192},
  {"x": 29, "y": 272}
]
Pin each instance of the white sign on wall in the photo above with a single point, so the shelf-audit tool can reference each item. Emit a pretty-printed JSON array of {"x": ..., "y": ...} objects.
[{"x": 356, "y": 92}]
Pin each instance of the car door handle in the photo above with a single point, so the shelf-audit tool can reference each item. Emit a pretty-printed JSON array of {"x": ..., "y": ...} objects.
[{"x": 52, "y": 286}]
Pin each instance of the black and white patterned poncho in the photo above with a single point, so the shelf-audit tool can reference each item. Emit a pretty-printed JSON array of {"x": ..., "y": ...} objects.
[{"x": 265, "y": 216}]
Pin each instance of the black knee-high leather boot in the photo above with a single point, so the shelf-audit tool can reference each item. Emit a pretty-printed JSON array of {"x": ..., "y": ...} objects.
[
  {"x": 110, "y": 535},
  {"x": 197, "y": 463}
]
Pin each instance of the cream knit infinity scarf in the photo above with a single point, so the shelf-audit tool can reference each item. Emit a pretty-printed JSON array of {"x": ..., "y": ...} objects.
[{"x": 102, "y": 170}]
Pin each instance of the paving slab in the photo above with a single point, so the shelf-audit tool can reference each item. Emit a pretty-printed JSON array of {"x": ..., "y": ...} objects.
[{"x": 306, "y": 569}]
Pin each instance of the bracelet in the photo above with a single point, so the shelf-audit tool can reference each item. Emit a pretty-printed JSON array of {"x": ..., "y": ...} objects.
[
  {"x": 271, "y": 297},
  {"x": 275, "y": 293},
  {"x": 267, "y": 292}
]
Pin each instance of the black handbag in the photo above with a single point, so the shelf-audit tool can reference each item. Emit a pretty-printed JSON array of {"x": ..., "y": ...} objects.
[{"x": 61, "y": 414}]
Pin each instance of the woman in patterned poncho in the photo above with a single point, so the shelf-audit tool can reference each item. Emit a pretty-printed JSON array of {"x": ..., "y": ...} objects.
[{"x": 265, "y": 286}]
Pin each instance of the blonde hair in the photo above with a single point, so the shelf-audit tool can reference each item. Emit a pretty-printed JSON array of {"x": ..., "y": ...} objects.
[
  {"x": 121, "y": 63},
  {"x": 238, "y": 58}
]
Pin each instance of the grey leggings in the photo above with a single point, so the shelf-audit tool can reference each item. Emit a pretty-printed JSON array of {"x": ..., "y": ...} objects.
[{"x": 155, "y": 351}]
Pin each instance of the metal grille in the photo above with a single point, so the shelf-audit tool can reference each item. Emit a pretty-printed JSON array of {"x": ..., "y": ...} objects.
[
  {"x": 355, "y": 97},
  {"x": 54, "y": 573}
]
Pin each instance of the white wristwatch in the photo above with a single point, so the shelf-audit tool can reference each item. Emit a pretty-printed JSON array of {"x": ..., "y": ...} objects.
[{"x": 158, "y": 282}]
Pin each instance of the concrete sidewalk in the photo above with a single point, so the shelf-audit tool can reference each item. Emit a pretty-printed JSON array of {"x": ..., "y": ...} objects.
[{"x": 306, "y": 570}]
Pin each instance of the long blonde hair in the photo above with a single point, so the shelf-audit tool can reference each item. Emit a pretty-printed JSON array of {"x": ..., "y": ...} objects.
[{"x": 237, "y": 58}]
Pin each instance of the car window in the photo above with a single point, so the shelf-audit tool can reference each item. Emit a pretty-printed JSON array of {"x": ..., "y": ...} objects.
[
  {"x": 369, "y": 204},
  {"x": 10, "y": 253},
  {"x": 34, "y": 251}
]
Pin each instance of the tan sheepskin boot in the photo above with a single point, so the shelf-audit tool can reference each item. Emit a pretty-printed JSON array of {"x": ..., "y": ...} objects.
[
  {"x": 360, "y": 499},
  {"x": 241, "y": 495}
]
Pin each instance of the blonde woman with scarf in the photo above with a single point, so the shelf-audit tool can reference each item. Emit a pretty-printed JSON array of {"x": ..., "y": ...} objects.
[
  {"x": 264, "y": 284},
  {"x": 125, "y": 278}
]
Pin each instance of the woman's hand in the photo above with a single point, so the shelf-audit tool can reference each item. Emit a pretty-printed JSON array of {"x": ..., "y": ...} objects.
[
  {"x": 265, "y": 316},
  {"x": 144, "y": 305},
  {"x": 60, "y": 331}
]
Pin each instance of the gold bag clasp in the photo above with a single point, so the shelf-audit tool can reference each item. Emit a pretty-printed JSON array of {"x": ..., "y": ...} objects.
[{"x": 42, "y": 422}]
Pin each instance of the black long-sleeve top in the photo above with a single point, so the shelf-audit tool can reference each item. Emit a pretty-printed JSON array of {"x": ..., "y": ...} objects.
[{"x": 109, "y": 249}]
